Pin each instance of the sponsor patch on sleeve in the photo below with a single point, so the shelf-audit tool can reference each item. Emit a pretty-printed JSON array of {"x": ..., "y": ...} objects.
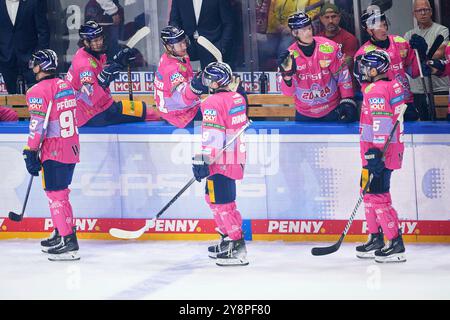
[
  {"x": 87, "y": 77},
  {"x": 176, "y": 78}
]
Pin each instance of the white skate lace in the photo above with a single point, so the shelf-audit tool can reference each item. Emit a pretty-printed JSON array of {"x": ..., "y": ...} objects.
[{"x": 387, "y": 246}]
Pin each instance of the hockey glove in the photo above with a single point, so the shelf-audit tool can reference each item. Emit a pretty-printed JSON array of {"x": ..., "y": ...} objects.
[
  {"x": 347, "y": 111},
  {"x": 375, "y": 163},
  {"x": 437, "y": 64},
  {"x": 125, "y": 56},
  {"x": 32, "y": 161},
  {"x": 419, "y": 43},
  {"x": 200, "y": 167},
  {"x": 286, "y": 64},
  {"x": 197, "y": 85},
  {"x": 108, "y": 74}
]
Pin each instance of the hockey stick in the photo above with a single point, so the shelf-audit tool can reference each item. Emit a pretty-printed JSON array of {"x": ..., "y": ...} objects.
[
  {"x": 436, "y": 45},
  {"x": 18, "y": 217},
  {"x": 321, "y": 251},
  {"x": 205, "y": 43},
  {"x": 430, "y": 102},
  {"x": 125, "y": 234},
  {"x": 138, "y": 36}
]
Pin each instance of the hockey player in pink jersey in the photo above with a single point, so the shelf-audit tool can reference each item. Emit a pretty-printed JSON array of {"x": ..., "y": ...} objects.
[
  {"x": 402, "y": 55},
  {"x": 441, "y": 68},
  {"x": 313, "y": 70},
  {"x": 90, "y": 75},
  {"x": 177, "y": 91},
  {"x": 59, "y": 151},
  {"x": 224, "y": 114},
  {"x": 383, "y": 100}
]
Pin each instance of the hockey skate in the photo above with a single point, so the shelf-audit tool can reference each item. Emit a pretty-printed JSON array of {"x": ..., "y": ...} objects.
[
  {"x": 66, "y": 250},
  {"x": 235, "y": 254},
  {"x": 374, "y": 243},
  {"x": 52, "y": 241},
  {"x": 394, "y": 251},
  {"x": 222, "y": 246}
]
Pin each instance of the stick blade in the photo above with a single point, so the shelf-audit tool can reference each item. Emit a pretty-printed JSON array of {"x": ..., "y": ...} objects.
[
  {"x": 322, "y": 251},
  {"x": 129, "y": 235},
  {"x": 138, "y": 36},
  {"x": 205, "y": 43},
  {"x": 15, "y": 217},
  {"x": 125, "y": 234}
]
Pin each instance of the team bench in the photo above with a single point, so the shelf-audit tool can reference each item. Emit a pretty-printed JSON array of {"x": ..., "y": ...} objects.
[{"x": 260, "y": 105}]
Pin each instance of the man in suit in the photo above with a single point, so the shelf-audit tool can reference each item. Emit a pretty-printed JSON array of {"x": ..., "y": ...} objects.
[
  {"x": 23, "y": 30},
  {"x": 212, "y": 19}
]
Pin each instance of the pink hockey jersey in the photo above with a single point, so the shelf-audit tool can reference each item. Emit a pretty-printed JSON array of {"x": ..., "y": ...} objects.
[
  {"x": 321, "y": 81},
  {"x": 61, "y": 139},
  {"x": 403, "y": 61},
  {"x": 92, "y": 99},
  {"x": 224, "y": 114},
  {"x": 379, "y": 112},
  {"x": 176, "y": 102}
]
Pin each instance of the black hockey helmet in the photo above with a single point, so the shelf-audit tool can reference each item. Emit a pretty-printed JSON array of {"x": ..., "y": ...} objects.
[
  {"x": 219, "y": 72},
  {"x": 172, "y": 35},
  {"x": 371, "y": 18},
  {"x": 90, "y": 30},
  {"x": 299, "y": 20},
  {"x": 376, "y": 59},
  {"x": 46, "y": 59}
]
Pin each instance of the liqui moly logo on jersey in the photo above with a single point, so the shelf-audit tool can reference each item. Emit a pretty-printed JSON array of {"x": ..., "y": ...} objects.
[
  {"x": 174, "y": 225},
  {"x": 81, "y": 224},
  {"x": 35, "y": 103},
  {"x": 121, "y": 83},
  {"x": 377, "y": 103},
  {"x": 86, "y": 77},
  {"x": 294, "y": 226},
  {"x": 149, "y": 78},
  {"x": 209, "y": 115}
]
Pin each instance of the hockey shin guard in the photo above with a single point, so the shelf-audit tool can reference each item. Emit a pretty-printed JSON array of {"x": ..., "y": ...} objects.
[
  {"x": 61, "y": 211},
  {"x": 371, "y": 217},
  {"x": 386, "y": 214},
  {"x": 230, "y": 219}
]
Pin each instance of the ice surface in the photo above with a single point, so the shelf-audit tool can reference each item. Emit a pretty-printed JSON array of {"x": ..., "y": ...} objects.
[{"x": 182, "y": 270}]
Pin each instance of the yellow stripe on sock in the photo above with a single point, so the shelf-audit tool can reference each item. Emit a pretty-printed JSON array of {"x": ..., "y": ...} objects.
[
  {"x": 212, "y": 196},
  {"x": 132, "y": 108}
]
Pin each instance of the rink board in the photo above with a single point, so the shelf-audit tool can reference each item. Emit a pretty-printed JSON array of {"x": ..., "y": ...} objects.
[
  {"x": 301, "y": 175},
  {"x": 203, "y": 229}
]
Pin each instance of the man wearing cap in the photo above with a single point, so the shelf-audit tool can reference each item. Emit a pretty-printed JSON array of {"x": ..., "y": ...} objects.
[
  {"x": 429, "y": 31},
  {"x": 330, "y": 17}
]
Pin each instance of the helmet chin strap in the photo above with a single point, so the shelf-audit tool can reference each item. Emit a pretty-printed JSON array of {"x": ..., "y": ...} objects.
[
  {"x": 94, "y": 53},
  {"x": 173, "y": 54}
]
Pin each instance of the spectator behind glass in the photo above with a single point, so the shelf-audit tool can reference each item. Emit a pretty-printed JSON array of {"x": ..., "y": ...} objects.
[
  {"x": 109, "y": 14},
  {"x": 428, "y": 30},
  {"x": 23, "y": 30},
  {"x": 273, "y": 35},
  {"x": 212, "y": 19},
  {"x": 330, "y": 17}
]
